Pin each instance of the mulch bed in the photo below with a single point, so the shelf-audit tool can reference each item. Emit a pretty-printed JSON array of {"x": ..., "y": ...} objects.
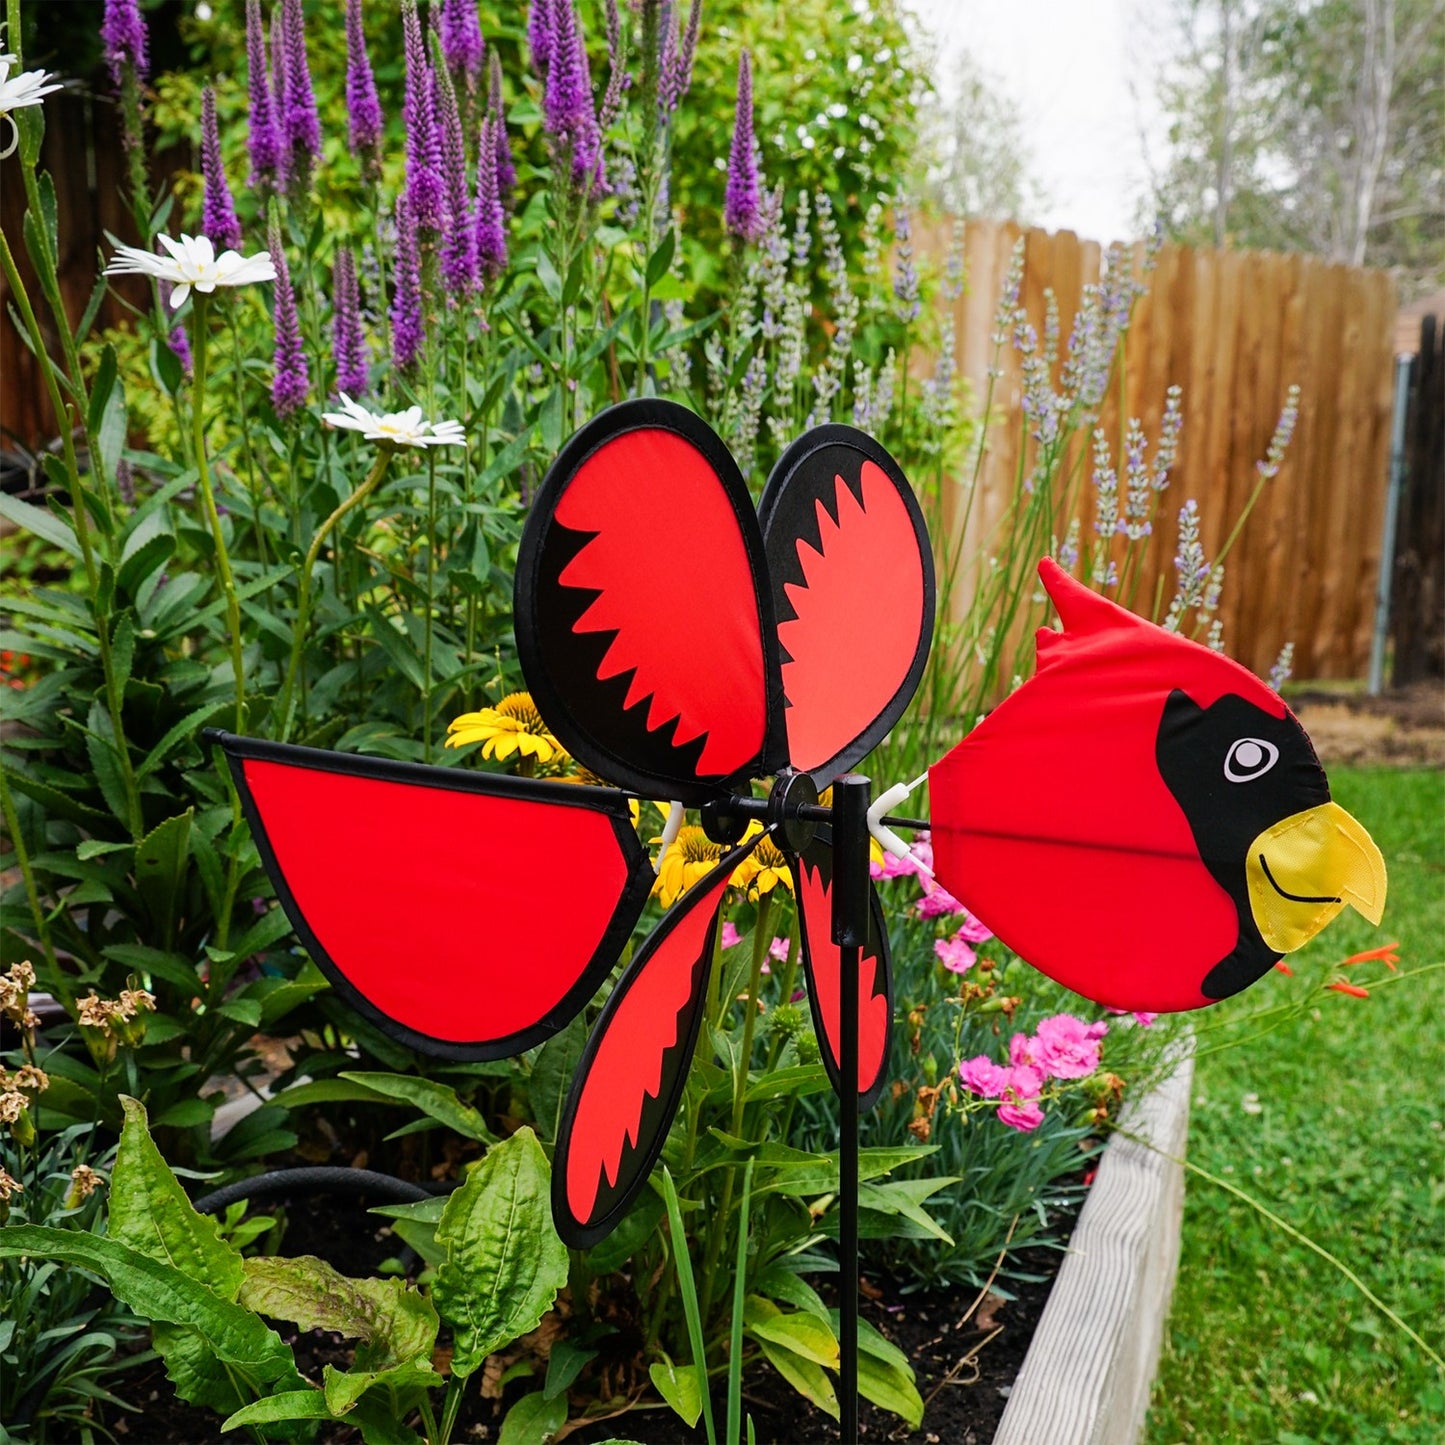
[{"x": 965, "y": 1365}]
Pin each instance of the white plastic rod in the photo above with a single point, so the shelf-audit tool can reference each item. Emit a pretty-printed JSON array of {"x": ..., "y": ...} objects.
[{"x": 886, "y": 838}]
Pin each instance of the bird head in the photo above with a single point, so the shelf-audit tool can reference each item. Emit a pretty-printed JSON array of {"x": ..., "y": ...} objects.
[{"x": 1144, "y": 820}]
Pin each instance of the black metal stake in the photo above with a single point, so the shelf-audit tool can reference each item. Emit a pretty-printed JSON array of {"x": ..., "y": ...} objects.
[{"x": 851, "y": 796}]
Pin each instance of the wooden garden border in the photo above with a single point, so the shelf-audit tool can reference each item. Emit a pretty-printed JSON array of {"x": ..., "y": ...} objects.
[{"x": 1086, "y": 1378}]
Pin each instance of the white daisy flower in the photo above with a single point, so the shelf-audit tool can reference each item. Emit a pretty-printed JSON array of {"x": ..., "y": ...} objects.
[
  {"x": 400, "y": 428},
  {"x": 192, "y": 261},
  {"x": 27, "y": 88}
]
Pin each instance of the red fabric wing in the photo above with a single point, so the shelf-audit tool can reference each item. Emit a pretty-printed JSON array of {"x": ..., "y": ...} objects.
[
  {"x": 1053, "y": 825},
  {"x": 813, "y": 877},
  {"x": 632, "y": 1074},
  {"x": 640, "y": 605},
  {"x": 853, "y": 591},
  {"x": 427, "y": 893}
]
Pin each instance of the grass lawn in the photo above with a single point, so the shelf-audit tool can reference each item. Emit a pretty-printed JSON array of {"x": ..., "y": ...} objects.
[{"x": 1333, "y": 1121}]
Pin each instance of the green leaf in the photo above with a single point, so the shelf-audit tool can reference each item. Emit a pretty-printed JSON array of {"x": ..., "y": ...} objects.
[
  {"x": 101, "y": 386},
  {"x": 178, "y": 733},
  {"x": 504, "y": 1263},
  {"x": 293, "y": 1405},
  {"x": 198, "y": 1373},
  {"x": 438, "y": 1101},
  {"x": 326, "y": 1091},
  {"x": 904, "y": 1197},
  {"x": 160, "y": 869},
  {"x": 533, "y": 1420},
  {"x": 661, "y": 259},
  {"x": 807, "y": 1377},
  {"x": 158, "y": 1291},
  {"x": 803, "y": 1334},
  {"x": 551, "y": 1075},
  {"x": 166, "y": 367},
  {"x": 245, "y": 1011},
  {"x": 891, "y": 1387},
  {"x": 799, "y": 1080},
  {"x": 107, "y": 420},
  {"x": 679, "y": 1386},
  {"x": 547, "y": 275},
  {"x": 149, "y": 1213},
  {"x": 40, "y": 523},
  {"x": 185, "y": 1114},
  {"x": 564, "y": 1364},
  {"x": 778, "y": 1282},
  {"x": 343, "y": 1388}
]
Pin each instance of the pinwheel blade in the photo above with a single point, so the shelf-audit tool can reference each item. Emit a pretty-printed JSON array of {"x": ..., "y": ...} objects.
[{"x": 434, "y": 899}]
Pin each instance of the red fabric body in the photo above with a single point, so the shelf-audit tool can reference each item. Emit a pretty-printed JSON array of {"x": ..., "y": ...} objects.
[
  {"x": 460, "y": 915},
  {"x": 1053, "y": 826},
  {"x": 669, "y": 563},
  {"x": 854, "y": 638}
]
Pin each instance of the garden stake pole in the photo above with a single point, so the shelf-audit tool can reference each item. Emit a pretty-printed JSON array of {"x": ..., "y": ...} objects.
[{"x": 851, "y": 795}]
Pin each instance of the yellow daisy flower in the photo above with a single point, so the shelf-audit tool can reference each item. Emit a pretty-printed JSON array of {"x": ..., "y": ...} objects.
[
  {"x": 513, "y": 726},
  {"x": 763, "y": 869},
  {"x": 691, "y": 856},
  {"x": 576, "y": 772}
]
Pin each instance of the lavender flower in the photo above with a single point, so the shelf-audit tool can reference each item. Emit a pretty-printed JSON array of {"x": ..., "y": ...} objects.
[
  {"x": 955, "y": 268},
  {"x": 506, "y": 171},
  {"x": 1279, "y": 674},
  {"x": 1138, "y": 494},
  {"x": 1106, "y": 488},
  {"x": 1169, "y": 429},
  {"x": 1189, "y": 563},
  {"x": 278, "y": 95},
  {"x": 1068, "y": 551},
  {"x": 265, "y": 139},
  {"x": 1279, "y": 442},
  {"x": 617, "y": 77},
  {"x": 300, "y": 123},
  {"x": 567, "y": 108},
  {"x": 218, "y": 211},
  {"x": 462, "y": 45},
  {"x": 459, "y": 239},
  {"x": 408, "y": 333},
  {"x": 123, "y": 40},
  {"x": 675, "y": 61},
  {"x": 348, "y": 345},
  {"x": 541, "y": 35},
  {"x": 423, "y": 168},
  {"x": 491, "y": 228},
  {"x": 905, "y": 273},
  {"x": 362, "y": 107},
  {"x": 741, "y": 203},
  {"x": 291, "y": 381}
]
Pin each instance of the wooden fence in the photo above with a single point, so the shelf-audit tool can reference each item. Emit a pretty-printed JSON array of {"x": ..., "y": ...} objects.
[{"x": 1234, "y": 329}]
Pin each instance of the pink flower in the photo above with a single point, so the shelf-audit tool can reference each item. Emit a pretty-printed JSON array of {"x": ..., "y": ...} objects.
[
  {"x": 1145, "y": 1019},
  {"x": 1024, "y": 1050},
  {"x": 1066, "y": 1047},
  {"x": 778, "y": 949},
  {"x": 954, "y": 953},
  {"x": 982, "y": 1076},
  {"x": 1020, "y": 1109},
  {"x": 730, "y": 935},
  {"x": 892, "y": 867},
  {"x": 937, "y": 901},
  {"x": 972, "y": 931}
]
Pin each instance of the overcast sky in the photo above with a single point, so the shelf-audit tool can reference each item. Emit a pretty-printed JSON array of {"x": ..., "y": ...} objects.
[{"x": 1068, "y": 66}]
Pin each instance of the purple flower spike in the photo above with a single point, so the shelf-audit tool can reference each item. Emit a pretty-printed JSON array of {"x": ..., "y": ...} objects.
[
  {"x": 177, "y": 340},
  {"x": 300, "y": 123},
  {"x": 123, "y": 40},
  {"x": 278, "y": 96},
  {"x": 567, "y": 110},
  {"x": 541, "y": 35},
  {"x": 292, "y": 381},
  {"x": 408, "y": 333},
  {"x": 265, "y": 141},
  {"x": 423, "y": 152},
  {"x": 506, "y": 171},
  {"x": 218, "y": 211},
  {"x": 462, "y": 40},
  {"x": 347, "y": 344},
  {"x": 362, "y": 107},
  {"x": 491, "y": 237},
  {"x": 459, "y": 240},
  {"x": 740, "y": 207},
  {"x": 675, "y": 63}
]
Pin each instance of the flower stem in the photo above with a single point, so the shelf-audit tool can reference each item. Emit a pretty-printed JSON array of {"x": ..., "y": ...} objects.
[{"x": 303, "y": 598}]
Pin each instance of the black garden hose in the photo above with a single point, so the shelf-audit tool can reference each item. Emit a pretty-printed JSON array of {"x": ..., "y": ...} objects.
[{"x": 317, "y": 1179}]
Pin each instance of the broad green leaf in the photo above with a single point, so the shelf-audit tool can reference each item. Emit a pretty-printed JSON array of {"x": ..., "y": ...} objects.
[
  {"x": 437, "y": 1100},
  {"x": 379, "y": 1425},
  {"x": 105, "y": 760},
  {"x": 343, "y": 1388},
  {"x": 158, "y": 1291},
  {"x": 40, "y": 523},
  {"x": 808, "y": 1378},
  {"x": 150, "y": 1213},
  {"x": 293, "y": 1405},
  {"x": 101, "y": 385},
  {"x": 199, "y": 1375},
  {"x": 161, "y": 858},
  {"x": 890, "y": 1387},
  {"x": 547, "y": 275},
  {"x": 393, "y": 1321},
  {"x": 551, "y": 1075},
  {"x": 800, "y": 1080},
  {"x": 661, "y": 258},
  {"x": 178, "y": 733},
  {"x": 533, "y": 1420},
  {"x": 804, "y": 1334},
  {"x": 778, "y": 1282},
  {"x": 184, "y": 1114},
  {"x": 504, "y": 1263},
  {"x": 564, "y": 1364},
  {"x": 678, "y": 1385},
  {"x": 904, "y": 1197},
  {"x": 326, "y": 1091}
]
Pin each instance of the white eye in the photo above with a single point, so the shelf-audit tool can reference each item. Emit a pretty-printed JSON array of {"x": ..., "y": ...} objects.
[{"x": 1249, "y": 758}]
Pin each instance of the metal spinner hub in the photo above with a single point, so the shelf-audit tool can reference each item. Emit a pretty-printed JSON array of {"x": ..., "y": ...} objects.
[{"x": 793, "y": 795}]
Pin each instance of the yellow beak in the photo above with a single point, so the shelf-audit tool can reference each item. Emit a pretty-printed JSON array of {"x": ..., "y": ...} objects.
[{"x": 1305, "y": 868}]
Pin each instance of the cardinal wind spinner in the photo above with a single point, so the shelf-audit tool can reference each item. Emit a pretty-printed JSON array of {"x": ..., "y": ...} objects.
[{"x": 1144, "y": 820}]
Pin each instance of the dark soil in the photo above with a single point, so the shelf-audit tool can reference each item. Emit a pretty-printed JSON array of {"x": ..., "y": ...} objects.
[
  {"x": 965, "y": 1364},
  {"x": 1401, "y": 728}
]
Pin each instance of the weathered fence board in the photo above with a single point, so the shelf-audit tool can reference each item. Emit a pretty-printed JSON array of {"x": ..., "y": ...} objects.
[{"x": 1234, "y": 330}]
